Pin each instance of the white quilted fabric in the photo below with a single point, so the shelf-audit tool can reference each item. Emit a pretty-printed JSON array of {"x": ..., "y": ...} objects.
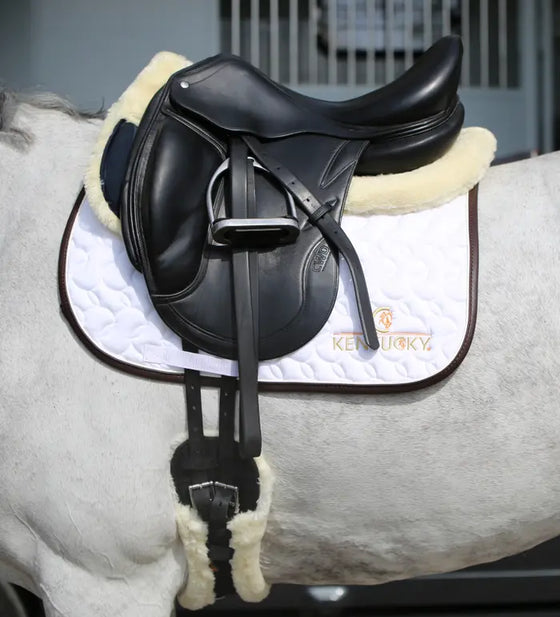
[{"x": 416, "y": 265}]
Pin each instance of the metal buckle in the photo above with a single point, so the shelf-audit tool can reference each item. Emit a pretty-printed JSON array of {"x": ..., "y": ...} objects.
[
  {"x": 252, "y": 232},
  {"x": 234, "y": 503}
]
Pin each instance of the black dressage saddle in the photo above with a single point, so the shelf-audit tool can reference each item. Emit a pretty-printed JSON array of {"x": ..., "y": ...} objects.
[{"x": 231, "y": 209}]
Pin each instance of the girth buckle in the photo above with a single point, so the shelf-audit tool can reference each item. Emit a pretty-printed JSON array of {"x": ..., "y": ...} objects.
[
  {"x": 197, "y": 491},
  {"x": 252, "y": 232}
]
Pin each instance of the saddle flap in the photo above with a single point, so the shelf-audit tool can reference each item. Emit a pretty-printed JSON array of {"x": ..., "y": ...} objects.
[{"x": 169, "y": 204}]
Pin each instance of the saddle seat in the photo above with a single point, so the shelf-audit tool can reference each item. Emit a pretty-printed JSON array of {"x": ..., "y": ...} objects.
[{"x": 407, "y": 123}]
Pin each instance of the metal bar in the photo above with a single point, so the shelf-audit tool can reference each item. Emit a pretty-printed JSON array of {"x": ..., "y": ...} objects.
[
  {"x": 484, "y": 45},
  {"x": 529, "y": 72},
  {"x": 313, "y": 58},
  {"x": 351, "y": 29},
  {"x": 502, "y": 44},
  {"x": 466, "y": 36},
  {"x": 370, "y": 50},
  {"x": 427, "y": 18},
  {"x": 446, "y": 17},
  {"x": 235, "y": 27},
  {"x": 274, "y": 41},
  {"x": 389, "y": 46},
  {"x": 255, "y": 33},
  {"x": 294, "y": 51},
  {"x": 547, "y": 121},
  {"x": 332, "y": 60},
  {"x": 408, "y": 34}
]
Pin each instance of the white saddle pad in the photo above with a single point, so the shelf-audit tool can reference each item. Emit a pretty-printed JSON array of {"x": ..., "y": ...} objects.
[{"x": 421, "y": 272}]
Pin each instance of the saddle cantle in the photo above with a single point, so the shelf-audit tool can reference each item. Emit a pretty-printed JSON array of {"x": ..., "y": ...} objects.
[{"x": 231, "y": 206}]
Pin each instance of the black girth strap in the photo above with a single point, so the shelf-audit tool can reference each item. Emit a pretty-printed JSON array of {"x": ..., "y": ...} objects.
[{"x": 194, "y": 412}]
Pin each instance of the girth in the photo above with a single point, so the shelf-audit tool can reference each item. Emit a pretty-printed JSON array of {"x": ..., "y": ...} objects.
[{"x": 235, "y": 225}]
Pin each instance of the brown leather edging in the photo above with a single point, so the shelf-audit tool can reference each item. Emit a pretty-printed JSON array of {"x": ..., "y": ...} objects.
[{"x": 68, "y": 313}]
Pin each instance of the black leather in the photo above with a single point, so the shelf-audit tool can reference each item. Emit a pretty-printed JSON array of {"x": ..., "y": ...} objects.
[
  {"x": 269, "y": 292},
  {"x": 413, "y": 118},
  {"x": 245, "y": 278}
]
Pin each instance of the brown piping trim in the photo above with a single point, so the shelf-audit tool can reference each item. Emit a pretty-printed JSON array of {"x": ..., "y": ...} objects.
[
  {"x": 68, "y": 313},
  {"x": 66, "y": 309}
]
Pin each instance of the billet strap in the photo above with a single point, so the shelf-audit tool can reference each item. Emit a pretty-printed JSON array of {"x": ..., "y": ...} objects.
[
  {"x": 319, "y": 215},
  {"x": 193, "y": 402},
  {"x": 226, "y": 421}
]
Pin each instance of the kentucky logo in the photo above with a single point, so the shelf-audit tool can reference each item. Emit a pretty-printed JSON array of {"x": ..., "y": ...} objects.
[
  {"x": 383, "y": 319},
  {"x": 388, "y": 340}
]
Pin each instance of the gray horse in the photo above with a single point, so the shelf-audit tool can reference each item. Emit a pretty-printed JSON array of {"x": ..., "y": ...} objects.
[{"x": 368, "y": 488}]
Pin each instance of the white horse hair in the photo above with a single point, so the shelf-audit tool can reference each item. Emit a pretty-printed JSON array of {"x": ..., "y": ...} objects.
[{"x": 368, "y": 488}]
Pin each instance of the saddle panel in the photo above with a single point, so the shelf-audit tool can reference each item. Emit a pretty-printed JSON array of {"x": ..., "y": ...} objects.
[{"x": 114, "y": 163}]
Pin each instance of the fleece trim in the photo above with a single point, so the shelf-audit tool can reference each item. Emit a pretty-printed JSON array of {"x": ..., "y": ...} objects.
[
  {"x": 130, "y": 106},
  {"x": 429, "y": 186},
  {"x": 453, "y": 174},
  {"x": 247, "y": 531},
  {"x": 193, "y": 531}
]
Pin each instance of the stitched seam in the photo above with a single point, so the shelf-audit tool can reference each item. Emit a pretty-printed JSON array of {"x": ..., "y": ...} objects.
[{"x": 325, "y": 181}]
